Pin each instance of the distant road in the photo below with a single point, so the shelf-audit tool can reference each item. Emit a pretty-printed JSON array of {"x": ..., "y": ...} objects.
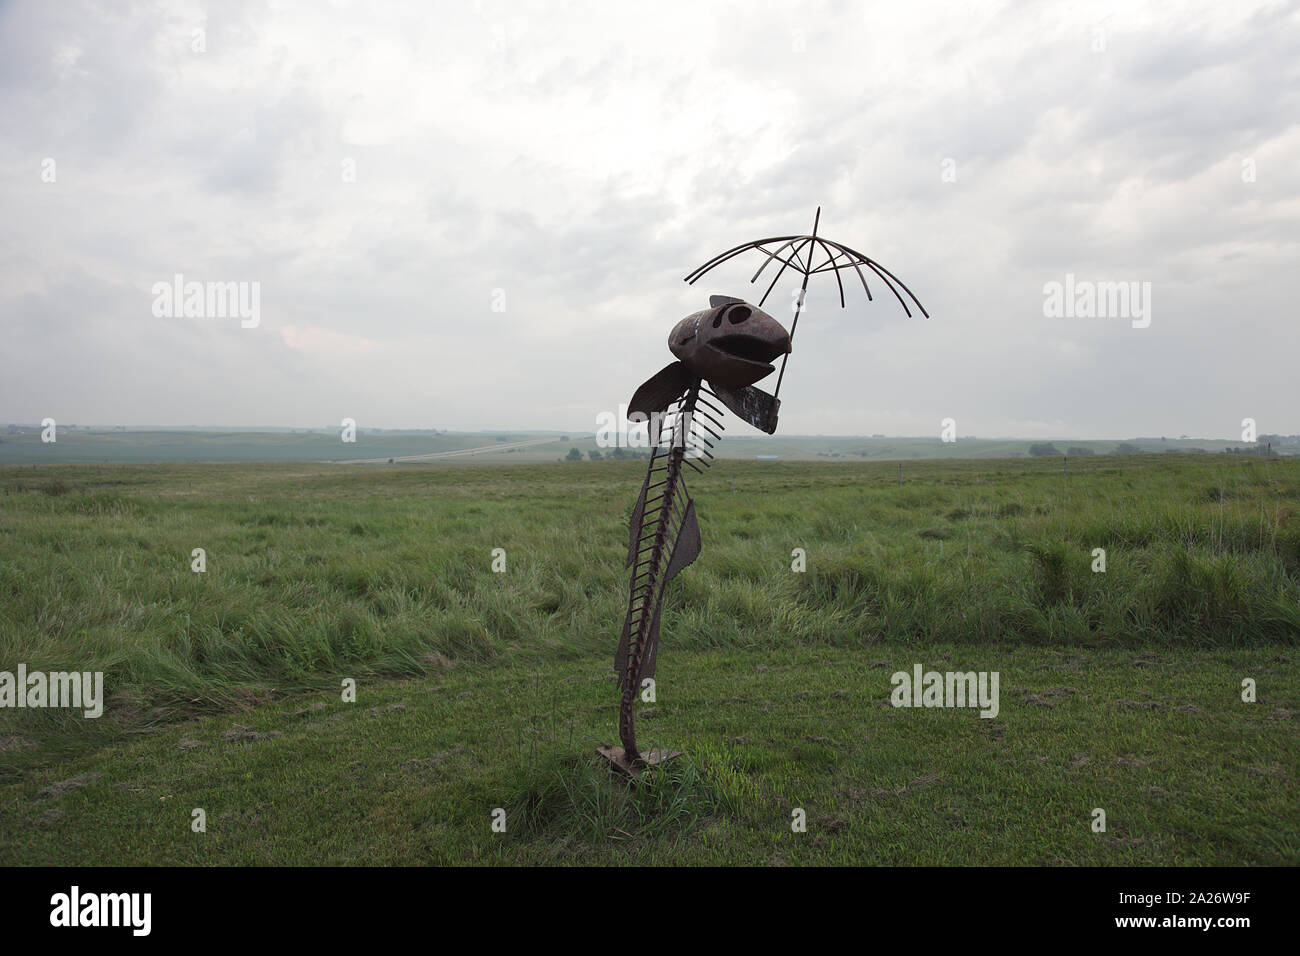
[{"x": 495, "y": 446}]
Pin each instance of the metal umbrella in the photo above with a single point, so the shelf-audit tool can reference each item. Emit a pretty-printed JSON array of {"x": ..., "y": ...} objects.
[{"x": 801, "y": 254}]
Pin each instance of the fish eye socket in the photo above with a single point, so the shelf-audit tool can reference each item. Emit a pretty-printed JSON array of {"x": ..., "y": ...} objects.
[{"x": 737, "y": 315}]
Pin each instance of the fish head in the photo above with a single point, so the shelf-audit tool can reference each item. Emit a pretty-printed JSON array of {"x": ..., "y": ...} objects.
[{"x": 731, "y": 344}]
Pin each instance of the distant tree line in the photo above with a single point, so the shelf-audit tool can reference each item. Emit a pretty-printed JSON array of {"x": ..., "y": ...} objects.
[
  {"x": 615, "y": 454},
  {"x": 1043, "y": 448}
]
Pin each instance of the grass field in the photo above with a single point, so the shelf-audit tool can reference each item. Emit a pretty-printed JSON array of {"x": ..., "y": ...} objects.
[{"x": 479, "y": 690}]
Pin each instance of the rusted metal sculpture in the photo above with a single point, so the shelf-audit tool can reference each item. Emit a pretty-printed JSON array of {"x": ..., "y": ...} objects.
[
  {"x": 729, "y": 346},
  {"x": 721, "y": 351}
]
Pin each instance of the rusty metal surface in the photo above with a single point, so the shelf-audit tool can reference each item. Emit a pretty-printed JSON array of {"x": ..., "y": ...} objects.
[
  {"x": 730, "y": 344},
  {"x": 721, "y": 352},
  {"x": 753, "y": 405},
  {"x": 619, "y": 760}
]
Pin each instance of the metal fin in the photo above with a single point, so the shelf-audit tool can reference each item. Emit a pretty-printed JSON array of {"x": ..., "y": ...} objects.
[
  {"x": 661, "y": 389},
  {"x": 634, "y": 529},
  {"x": 752, "y": 404},
  {"x": 651, "y": 649},
  {"x": 620, "y": 658},
  {"x": 717, "y": 300},
  {"x": 687, "y": 548}
]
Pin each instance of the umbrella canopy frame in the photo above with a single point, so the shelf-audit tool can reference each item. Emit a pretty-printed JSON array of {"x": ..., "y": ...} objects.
[{"x": 800, "y": 258}]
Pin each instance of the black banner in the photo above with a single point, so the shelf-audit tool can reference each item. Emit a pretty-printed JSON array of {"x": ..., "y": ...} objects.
[{"x": 927, "y": 906}]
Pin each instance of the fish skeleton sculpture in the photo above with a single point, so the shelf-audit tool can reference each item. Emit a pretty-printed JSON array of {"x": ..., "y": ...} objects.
[{"x": 721, "y": 351}]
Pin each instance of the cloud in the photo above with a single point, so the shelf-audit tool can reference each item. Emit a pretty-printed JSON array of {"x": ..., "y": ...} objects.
[{"x": 482, "y": 217}]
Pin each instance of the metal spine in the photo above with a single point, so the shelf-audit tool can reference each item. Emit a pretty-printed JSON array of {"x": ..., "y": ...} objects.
[{"x": 664, "y": 509}]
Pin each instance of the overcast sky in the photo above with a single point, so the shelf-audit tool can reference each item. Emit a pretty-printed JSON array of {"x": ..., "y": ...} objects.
[{"x": 479, "y": 215}]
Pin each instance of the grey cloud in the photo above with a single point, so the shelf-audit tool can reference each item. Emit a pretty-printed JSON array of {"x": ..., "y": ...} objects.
[{"x": 585, "y": 162}]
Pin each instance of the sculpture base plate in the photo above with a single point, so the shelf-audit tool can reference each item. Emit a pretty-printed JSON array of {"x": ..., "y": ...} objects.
[{"x": 618, "y": 759}]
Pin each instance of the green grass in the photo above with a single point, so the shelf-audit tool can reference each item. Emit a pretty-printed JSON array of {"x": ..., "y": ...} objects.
[
  {"x": 412, "y": 772},
  {"x": 479, "y": 690}
]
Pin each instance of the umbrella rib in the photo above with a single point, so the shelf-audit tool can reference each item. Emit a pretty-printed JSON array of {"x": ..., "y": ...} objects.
[
  {"x": 732, "y": 253},
  {"x": 886, "y": 276},
  {"x": 830, "y": 259},
  {"x": 853, "y": 257},
  {"x": 872, "y": 266},
  {"x": 778, "y": 275},
  {"x": 798, "y": 244},
  {"x": 881, "y": 269},
  {"x": 775, "y": 255}
]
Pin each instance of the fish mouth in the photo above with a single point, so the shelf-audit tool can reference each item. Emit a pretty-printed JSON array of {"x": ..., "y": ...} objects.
[{"x": 753, "y": 349}]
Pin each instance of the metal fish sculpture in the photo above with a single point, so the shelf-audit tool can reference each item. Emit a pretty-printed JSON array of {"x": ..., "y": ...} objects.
[{"x": 721, "y": 351}]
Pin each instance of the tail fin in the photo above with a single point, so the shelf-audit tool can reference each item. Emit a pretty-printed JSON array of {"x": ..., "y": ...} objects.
[{"x": 685, "y": 550}]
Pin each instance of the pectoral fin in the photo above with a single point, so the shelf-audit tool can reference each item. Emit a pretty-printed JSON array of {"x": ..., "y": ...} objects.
[
  {"x": 661, "y": 390},
  {"x": 752, "y": 404}
]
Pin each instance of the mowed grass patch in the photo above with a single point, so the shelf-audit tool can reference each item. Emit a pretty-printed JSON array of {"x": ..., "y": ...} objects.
[{"x": 1187, "y": 773}]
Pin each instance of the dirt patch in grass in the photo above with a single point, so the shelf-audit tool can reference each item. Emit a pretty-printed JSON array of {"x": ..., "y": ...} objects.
[
  {"x": 242, "y": 733},
  {"x": 55, "y": 790}
]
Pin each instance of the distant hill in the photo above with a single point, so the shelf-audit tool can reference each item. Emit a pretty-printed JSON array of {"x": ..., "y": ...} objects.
[{"x": 22, "y": 445}]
